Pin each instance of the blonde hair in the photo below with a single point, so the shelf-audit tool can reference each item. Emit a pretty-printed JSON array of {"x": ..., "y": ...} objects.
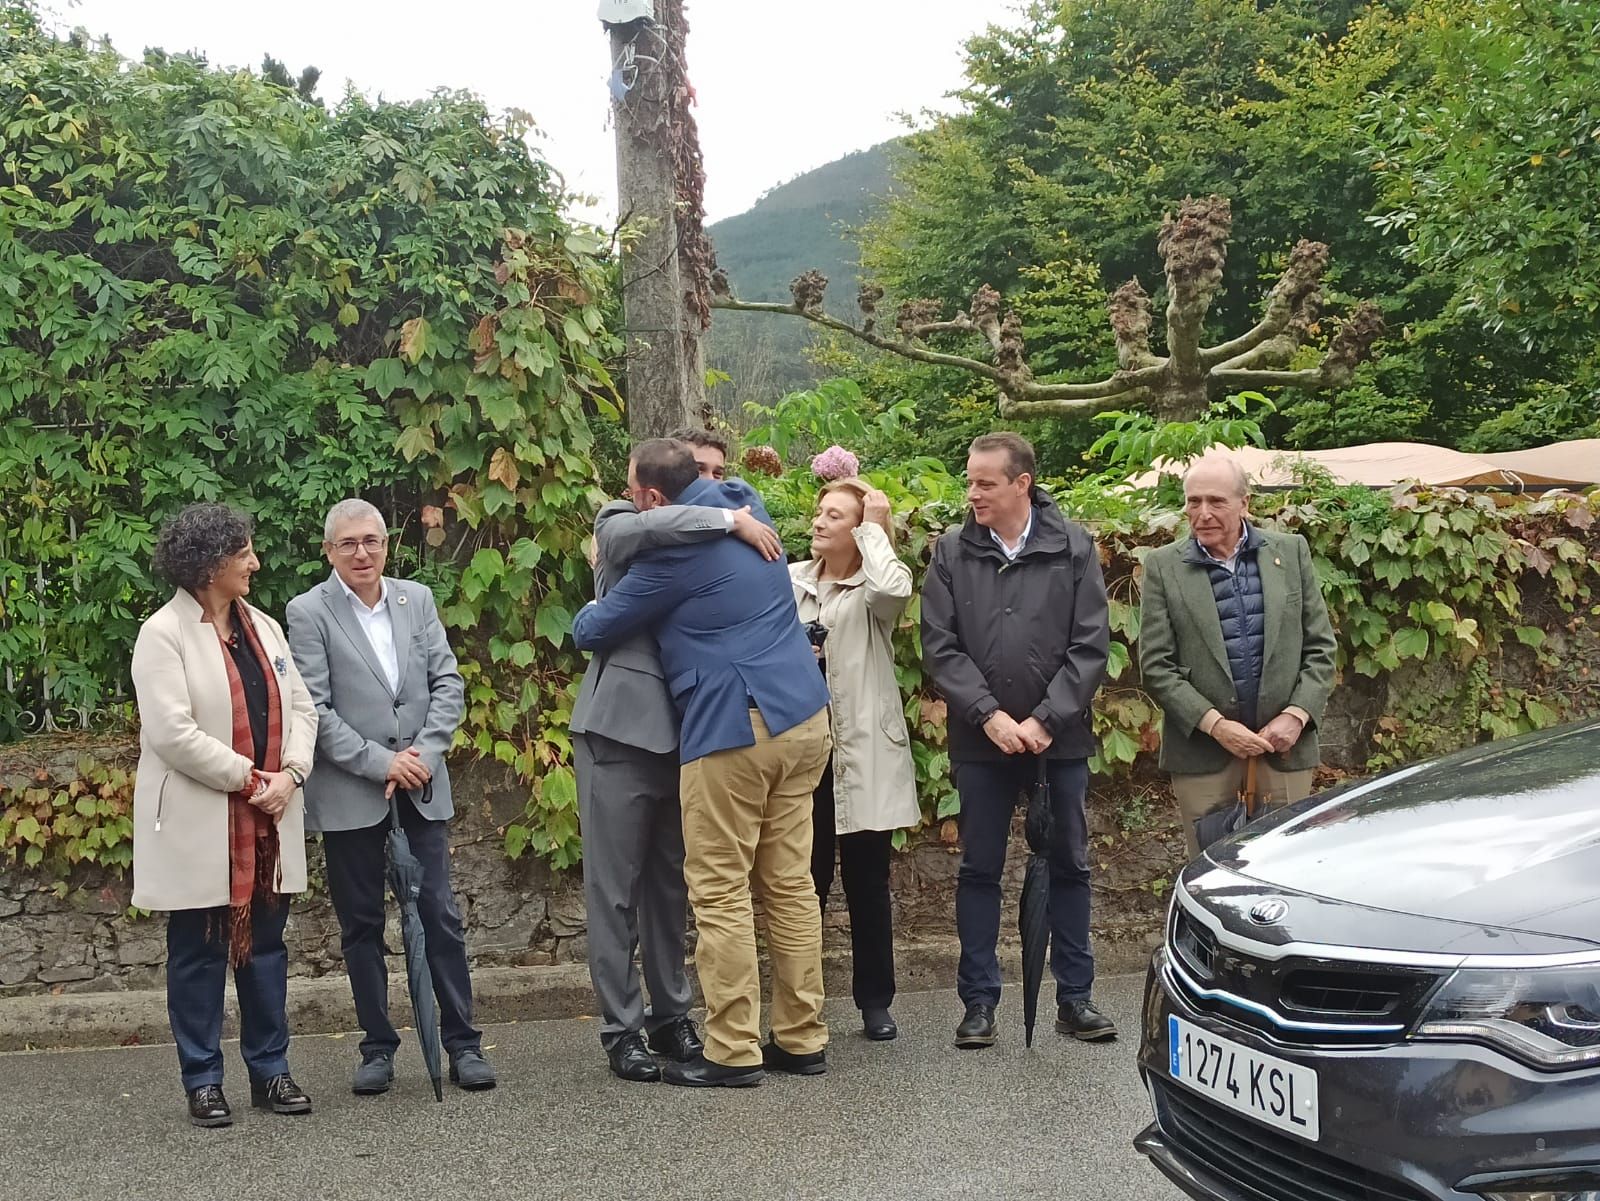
[{"x": 858, "y": 488}]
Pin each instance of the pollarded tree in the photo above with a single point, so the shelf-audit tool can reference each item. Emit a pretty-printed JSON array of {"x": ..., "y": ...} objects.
[{"x": 1175, "y": 386}]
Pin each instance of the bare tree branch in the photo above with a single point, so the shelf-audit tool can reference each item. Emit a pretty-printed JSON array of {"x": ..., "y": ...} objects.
[
  {"x": 1293, "y": 303},
  {"x": 1193, "y": 246},
  {"x": 907, "y": 350},
  {"x": 1082, "y": 406},
  {"x": 1309, "y": 377}
]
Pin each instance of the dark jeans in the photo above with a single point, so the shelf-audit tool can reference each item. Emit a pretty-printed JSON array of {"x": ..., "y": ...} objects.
[
  {"x": 989, "y": 794},
  {"x": 358, "y": 882},
  {"x": 197, "y": 984},
  {"x": 864, "y": 865}
]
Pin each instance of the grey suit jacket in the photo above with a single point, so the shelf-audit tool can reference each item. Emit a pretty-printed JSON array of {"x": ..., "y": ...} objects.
[
  {"x": 624, "y": 696},
  {"x": 362, "y": 722}
]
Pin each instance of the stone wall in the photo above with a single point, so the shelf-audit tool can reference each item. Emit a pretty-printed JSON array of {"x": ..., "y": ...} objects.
[{"x": 79, "y": 936}]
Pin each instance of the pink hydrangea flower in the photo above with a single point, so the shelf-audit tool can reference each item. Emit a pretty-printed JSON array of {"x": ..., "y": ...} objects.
[{"x": 835, "y": 463}]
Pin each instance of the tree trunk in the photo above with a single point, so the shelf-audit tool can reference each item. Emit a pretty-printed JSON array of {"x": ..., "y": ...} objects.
[
  {"x": 1180, "y": 400},
  {"x": 664, "y": 374}
]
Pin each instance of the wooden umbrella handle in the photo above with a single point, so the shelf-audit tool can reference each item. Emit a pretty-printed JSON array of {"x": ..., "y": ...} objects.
[{"x": 1250, "y": 786}]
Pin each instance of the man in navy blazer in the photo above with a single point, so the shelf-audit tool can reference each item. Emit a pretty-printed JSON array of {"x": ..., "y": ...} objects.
[{"x": 753, "y": 746}]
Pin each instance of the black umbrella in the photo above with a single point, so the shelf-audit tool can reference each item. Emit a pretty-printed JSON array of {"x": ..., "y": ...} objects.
[
  {"x": 405, "y": 879},
  {"x": 1033, "y": 915},
  {"x": 1219, "y": 823}
]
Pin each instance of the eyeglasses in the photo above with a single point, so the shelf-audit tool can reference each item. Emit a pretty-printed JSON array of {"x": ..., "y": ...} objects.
[{"x": 348, "y": 546}]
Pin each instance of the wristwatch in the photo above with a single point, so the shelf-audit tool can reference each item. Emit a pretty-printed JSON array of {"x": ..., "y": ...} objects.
[{"x": 294, "y": 774}]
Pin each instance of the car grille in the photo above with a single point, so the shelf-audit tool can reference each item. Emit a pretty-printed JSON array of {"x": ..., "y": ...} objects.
[
  {"x": 1263, "y": 1163},
  {"x": 1297, "y": 1001},
  {"x": 1359, "y": 993}
]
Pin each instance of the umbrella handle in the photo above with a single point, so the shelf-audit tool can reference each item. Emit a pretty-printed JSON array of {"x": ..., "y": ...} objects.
[{"x": 1249, "y": 792}]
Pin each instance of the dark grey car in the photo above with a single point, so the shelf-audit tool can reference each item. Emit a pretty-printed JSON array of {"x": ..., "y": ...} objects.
[{"x": 1392, "y": 992}]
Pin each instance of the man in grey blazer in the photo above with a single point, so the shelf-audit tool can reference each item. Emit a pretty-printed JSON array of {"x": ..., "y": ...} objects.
[
  {"x": 374, "y": 655},
  {"x": 625, "y": 748}
]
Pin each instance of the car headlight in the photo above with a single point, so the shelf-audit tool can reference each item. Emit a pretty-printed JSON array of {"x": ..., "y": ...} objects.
[{"x": 1548, "y": 1018}]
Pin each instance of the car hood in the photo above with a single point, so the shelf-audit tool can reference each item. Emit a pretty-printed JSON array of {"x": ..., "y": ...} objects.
[{"x": 1506, "y": 835}]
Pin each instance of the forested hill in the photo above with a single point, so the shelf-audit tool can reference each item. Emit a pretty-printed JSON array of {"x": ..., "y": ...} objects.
[
  {"x": 798, "y": 225},
  {"x": 802, "y": 224}
]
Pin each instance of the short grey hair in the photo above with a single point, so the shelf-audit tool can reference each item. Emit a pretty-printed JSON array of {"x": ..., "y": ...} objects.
[
  {"x": 353, "y": 509},
  {"x": 1241, "y": 477}
]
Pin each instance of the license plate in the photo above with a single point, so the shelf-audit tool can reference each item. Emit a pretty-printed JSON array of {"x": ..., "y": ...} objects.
[{"x": 1270, "y": 1090}]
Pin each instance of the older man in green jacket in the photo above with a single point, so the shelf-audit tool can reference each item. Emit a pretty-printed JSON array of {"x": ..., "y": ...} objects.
[{"x": 1236, "y": 647}]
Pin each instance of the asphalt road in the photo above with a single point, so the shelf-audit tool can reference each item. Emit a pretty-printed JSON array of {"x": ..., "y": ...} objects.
[{"x": 913, "y": 1119}]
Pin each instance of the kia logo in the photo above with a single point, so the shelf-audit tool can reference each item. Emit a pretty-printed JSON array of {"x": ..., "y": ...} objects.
[{"x": 1268, "y": 913}]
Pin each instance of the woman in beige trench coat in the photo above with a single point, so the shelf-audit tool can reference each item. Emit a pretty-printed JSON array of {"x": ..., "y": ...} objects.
[
  {"x": 227, "y": 732},
  {"x": 850, "y": 595}
]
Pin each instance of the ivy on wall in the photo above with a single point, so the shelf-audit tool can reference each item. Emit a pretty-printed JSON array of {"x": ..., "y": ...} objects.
[{"x": 213, "y": 288}]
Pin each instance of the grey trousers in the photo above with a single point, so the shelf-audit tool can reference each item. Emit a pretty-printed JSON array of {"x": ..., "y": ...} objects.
[{"x": 632, "y": 882}]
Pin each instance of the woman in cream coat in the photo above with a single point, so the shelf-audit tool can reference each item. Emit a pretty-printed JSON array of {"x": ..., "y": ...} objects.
[
  {"x": 227, "y": 734},
  {"x": 850, "y": 595}
]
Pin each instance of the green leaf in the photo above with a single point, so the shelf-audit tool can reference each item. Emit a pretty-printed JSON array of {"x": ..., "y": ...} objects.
[
  {"x": 1411, "y": 643},
  {"x": 1118, "y": 747},
  {"x": 415, "y": 442},
  {"x": 1118, "y": 660},
  {"x": 1540, "y": 714},
  {"x": 501, "y": 409},
  {"x": 525, "y": 553},
  {"x": 385, "y": 377},
  {"x": 559, "y": 789},
  {"x": 553, "y": 622},
  {"x": 1531, "y": 636}
]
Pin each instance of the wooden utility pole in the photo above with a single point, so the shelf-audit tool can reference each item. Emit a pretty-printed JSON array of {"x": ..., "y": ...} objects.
[{"x": 666, "y": 272}]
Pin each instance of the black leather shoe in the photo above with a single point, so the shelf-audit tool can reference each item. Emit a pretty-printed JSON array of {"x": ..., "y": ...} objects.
[
  {"x": 775, "y": 1059},
  {"x": 678, "y": 1039},
  {"x": 375, "y": 1074},
  {"x": 977, "y": 1028},
  {"x": 1084, "y": 1022},
  {"x": 630, "y": 1060},
  {"x": 878, "y": 1025},
  {"x": 280, "y": 1094},
  {"x": 700, "y": 1072},
  {"x": 208, "y": 1107},
  {"x": 471, "y": 1071}
]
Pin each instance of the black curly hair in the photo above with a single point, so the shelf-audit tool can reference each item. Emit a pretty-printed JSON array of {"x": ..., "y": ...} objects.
[{"x": 197, "y": 541}]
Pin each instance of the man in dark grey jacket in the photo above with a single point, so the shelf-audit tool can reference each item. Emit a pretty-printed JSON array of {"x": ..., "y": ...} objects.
[
  {"x": 625, "y": 746},
  {"x": 1015, "y": 637}
]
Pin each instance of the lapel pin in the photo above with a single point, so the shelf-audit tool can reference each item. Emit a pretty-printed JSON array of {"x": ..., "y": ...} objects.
[
  {"x": 400, "y": 600},
  {"x": 282, "y": 665},
  {"x": 1275, "y": 563}
]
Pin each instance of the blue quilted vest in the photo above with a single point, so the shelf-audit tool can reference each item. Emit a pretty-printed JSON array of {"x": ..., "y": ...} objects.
[{"x": 1242, "y": 612}]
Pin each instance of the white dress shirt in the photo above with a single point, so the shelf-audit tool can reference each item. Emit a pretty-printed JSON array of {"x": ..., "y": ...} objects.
[
  {"x": 379, "y": 628},
  {"x": 1011, "y": 552}
]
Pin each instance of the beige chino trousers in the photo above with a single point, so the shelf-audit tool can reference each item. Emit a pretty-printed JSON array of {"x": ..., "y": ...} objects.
[
  {"x": 1200, "y": 794},
  {"x": 747, "y": 824}
]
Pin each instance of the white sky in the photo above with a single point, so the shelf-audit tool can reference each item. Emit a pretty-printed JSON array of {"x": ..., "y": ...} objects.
[{"x": 782, "y": 87}]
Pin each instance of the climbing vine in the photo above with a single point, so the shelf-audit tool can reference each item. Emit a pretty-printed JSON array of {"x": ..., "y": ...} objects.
[{"x": 212, "y": 287}]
